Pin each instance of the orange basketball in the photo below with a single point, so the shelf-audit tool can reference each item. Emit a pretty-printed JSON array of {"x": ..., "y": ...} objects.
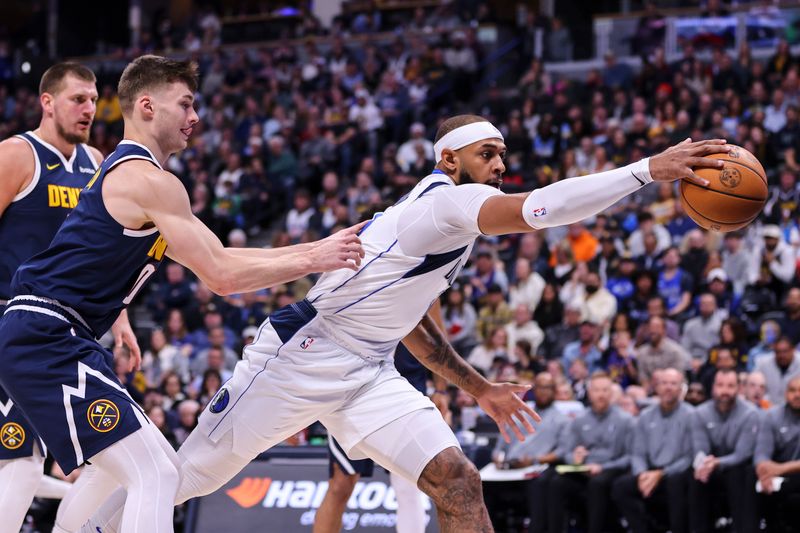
[{"x": 735, "y": 195}]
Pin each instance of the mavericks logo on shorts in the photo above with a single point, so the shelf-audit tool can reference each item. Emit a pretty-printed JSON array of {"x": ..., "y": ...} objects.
[
  {"x": 103, "y": 415},
  {"x": 220, "y": 401},
  {"x": 12, "y": 435}
]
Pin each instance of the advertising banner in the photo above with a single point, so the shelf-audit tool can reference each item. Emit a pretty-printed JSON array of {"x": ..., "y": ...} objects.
[{"x": 284, "y": 494}]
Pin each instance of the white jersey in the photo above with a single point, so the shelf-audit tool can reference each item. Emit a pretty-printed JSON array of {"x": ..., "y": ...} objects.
[{"x": 414, "y": 251}]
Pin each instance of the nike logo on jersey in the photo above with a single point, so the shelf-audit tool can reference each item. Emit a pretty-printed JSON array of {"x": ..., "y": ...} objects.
[{"x": 53, "y": 167}]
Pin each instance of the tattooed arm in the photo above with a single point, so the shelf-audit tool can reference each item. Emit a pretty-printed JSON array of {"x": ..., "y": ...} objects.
[{"x": 428, "y": 344}]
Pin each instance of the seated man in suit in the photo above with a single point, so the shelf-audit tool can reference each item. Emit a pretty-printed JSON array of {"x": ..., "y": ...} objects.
[
  {"x": 777, "y": 456},
  {"x": 598, "y": 441},
  {"x": 661, "y": 456},
  {"x": 723, "y": 436}
]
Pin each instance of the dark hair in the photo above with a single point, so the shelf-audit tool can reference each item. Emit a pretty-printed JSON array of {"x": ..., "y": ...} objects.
[
  {"x": 53, "y": 78},
  {"x": 723, "y": 371},
  {"x": 456, "y": 122},
  {"x": 785, "y": 339},
  {"x": 149, "y": 71}
]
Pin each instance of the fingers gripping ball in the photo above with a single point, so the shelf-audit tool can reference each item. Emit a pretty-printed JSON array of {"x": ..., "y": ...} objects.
[{"x": 735, "y": 195}]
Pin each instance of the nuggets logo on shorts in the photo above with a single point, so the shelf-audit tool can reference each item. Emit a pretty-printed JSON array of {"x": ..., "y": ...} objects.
[
  {"x": 103, "y": 415},
  {"x": 220, "y": 401},
  {"x": 12, "y": 435}
]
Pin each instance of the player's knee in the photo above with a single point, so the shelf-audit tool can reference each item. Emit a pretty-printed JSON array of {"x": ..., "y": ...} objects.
[
  {"x": 341, "y": 488},
  {"x": 165, "y": 473},
  {"x": 452, "y": 481}
]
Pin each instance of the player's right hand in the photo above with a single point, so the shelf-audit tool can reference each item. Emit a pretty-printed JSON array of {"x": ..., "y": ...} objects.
[
  {"x": 341, "y": 250},
  {"x": 679, "y": 161}
]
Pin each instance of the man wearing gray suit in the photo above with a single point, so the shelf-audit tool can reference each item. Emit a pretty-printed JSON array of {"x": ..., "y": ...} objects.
[
  {"x": 723, "y": 436},
  {"x": 598, "y": 441},
  {"x": 779, "y": 368},
  {"x": 661, "y": 457},
  {"x": 539, "y": 448},
  {"x": 777, "y": 457}
]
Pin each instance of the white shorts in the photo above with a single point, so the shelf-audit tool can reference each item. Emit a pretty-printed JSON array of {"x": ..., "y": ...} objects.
[{"x": 292, "y": 375}]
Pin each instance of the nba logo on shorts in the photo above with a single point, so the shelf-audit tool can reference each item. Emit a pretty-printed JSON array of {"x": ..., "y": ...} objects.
[
  {"x": 306, "y": 343},
  {"x": 540, "y": 211}
]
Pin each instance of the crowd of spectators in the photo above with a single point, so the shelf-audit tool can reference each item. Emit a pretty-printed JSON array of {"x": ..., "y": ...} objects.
[{"x": 296, "y": 142}]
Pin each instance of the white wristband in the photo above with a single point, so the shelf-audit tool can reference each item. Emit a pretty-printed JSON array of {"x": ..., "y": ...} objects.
[{"x": 574, "y": 199}]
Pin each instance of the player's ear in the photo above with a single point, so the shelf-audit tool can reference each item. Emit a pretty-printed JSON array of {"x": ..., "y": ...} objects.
[
  {"x": 449, "y": 160},
  {"x": 46, "y": 99},
  {"x": 145, "y": 104}
]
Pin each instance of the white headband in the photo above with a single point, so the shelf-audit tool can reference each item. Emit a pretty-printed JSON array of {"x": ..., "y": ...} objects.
[{"x": 466, "y": 135}]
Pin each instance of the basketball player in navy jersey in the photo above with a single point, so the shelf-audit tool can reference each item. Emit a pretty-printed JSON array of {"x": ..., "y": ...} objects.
[
  {"x": 131, "y": 214},
  {"x": 43, "y": 172}
]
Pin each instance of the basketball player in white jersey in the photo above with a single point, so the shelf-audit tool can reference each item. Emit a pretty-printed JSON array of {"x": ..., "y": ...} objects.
[{"x": 327, "y": 358}]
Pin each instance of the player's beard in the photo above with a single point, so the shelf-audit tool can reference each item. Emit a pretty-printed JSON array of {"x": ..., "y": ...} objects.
[
  {"x": 73, "y": 138},
  {"x": 464, "y": 177}
]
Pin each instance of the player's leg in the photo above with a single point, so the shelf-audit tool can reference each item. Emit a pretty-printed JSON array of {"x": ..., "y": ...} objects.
[
  {"x": 343, "y": 475},
  {"x": 18, "y": 481},
  {"x": 399, "y": 428},
  {"x": 421, "y": 447},
  {"x": 85, "y": 495},
  {"x": 150, "y": 478},
  {"x": 52, "y": 488},
  {"x": 282, "y": 386},
  {"x": 410, "y": 505},
  {"x": 340, "y": 487}
]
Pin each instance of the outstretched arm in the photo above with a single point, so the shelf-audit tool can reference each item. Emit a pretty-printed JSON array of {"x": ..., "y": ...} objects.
[
  {"x": 569, "y": 201},
  {"x": 137, "y": 193},
  {"x": 499, "y": 400}
]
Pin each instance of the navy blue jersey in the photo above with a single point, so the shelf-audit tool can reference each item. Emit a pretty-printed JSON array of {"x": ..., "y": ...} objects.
[
  {"x": 28, "y": 224},
  {"x": 95, "y": 265}
]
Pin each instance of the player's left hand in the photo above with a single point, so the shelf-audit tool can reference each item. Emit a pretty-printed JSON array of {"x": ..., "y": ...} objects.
[
  {"x": 679, "y": 161},
  {"x": 123, "y": 334},
  {"x": 502, "y": 402}
]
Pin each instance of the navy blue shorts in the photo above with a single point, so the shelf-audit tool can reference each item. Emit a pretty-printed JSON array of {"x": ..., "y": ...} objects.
[
  {"x": 17, "y": 436},
  {"x": 336, "y": 455},
  {"x": 64, "y": 383}
]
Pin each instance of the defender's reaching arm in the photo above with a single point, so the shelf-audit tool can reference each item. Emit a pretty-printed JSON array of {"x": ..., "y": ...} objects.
[{"x": 139, "y": 194}]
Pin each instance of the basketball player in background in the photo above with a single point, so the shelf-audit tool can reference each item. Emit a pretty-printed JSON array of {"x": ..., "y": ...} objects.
[
  {"x": 327, "y": 357},
  {"x": 129, "y": 215},
  {"x": 43, "y": 172}
]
